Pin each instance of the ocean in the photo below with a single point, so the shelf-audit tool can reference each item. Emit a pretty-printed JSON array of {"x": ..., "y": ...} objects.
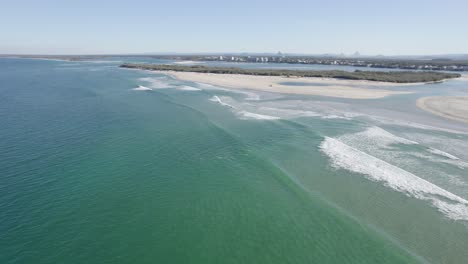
[{"x": 100, "y": 164}]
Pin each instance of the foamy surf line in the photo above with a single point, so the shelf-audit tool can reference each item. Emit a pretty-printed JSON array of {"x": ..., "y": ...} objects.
[
  {"x": 188, "y": 88},
  {"x": 242, "y": 113},
  {"x": 385, "y": 120},
  {"x": 258, "y": 116},
  {"x": 219, "y": 101},
  {"x": 156, "y": 82},
  {"x": 251, "y": 96},
  {"x": 256, "y": 110},
  {"x": 378, "y": 137},
  {"x": 142, "y": 88},
  {"x": 374, "y": 169},
  {"x": 442, "y": 153}
]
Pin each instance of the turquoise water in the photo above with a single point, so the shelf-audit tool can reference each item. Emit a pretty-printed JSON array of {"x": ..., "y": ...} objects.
[{"x": 92, "y": 171}]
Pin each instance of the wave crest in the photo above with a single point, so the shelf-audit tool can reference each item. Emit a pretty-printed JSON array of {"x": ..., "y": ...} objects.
[{"x": 349, "y": 158}]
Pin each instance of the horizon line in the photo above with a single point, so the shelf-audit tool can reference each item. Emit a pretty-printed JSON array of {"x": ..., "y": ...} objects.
[{"x": 234, "y": 53}]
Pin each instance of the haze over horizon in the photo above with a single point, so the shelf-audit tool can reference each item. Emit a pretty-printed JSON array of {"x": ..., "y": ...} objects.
[{"x": 308, "y": 27}]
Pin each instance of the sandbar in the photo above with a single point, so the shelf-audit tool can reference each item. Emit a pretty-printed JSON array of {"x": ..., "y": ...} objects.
[
  {"x": 450, "y": 107},
  {"x": 352, "y": 89}
]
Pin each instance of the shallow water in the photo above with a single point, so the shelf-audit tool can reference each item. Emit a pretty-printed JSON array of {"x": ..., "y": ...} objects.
[{"x": 95, "y": 171}]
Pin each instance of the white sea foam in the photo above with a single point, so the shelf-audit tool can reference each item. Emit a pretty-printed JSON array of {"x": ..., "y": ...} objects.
[
  {"x": 156, "y": 83},
  {"x": 442, "y": 158},
  {"x": 333, "y": 116},
  {"x": 188, "y": 88},
  {"x": 442, "y": 153},
  {"x": 375, "y": 169},
  {"x": 219, "y": 101},
  {"x": 279, "y": 109},
  {"x": 142, "y": 88},
  {"x": 287, "y": 113},
  {"x": 305, "y": 108},
  {"x": 251, "y": 96},
  {"x": 418, "y": 159},
  {"x": 456, "y": 145},
  {"x": 297, "y": 108},
  {"x": 239, "y": 111},
  {"x": 386, "y": 137},
  {"x": 250, "y": 115},
  {"x": 391, "y": 121},
  {"x": 207, "y": 86},
  {"x": 375, "y": 137}
]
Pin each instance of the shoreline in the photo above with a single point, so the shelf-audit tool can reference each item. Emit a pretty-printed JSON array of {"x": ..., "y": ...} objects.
[
  {"x": 450, "y": 107},
  {"x": 398, "y": 77},
  {"x": 350, "y": 89}
]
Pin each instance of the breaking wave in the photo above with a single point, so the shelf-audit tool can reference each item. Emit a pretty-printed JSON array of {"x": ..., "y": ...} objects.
[
  {"x": 250, "y": 115},
  {"x": 219, "y": 101},
  {"x": 188, "y": 88},
  {"x": 442, "y": 153},
  {"x": 349, "y": 158},
  {"x": 156, "y": 83},
  {"x": 376, "y": 136},
  {"x": 243, "y": 114},
  {"x": 142, "y": 88}
]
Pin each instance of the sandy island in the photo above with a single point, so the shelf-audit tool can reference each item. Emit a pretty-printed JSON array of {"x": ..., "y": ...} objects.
[
  {"x": 354, "y": 89},
  {"x": 451, "y": 107}
]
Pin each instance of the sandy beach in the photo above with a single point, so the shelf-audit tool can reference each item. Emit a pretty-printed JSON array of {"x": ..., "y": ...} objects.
[
  {"x": 451, "y": 107},
  {"x": 353, "y": 89}
]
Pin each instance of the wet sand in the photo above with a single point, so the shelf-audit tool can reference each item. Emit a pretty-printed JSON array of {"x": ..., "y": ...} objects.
[{"x": 450, "y": 107}]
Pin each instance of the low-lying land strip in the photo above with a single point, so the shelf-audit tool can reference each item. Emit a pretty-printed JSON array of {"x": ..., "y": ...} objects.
[
  {"x": 394, "y": 77},
  {"x": 426, "y": 64},
  {"x": 351, "y": 89},
  {"x": 332, "y": 87}
]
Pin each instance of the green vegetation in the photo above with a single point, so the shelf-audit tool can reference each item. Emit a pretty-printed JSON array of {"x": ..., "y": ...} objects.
[
  {"x": 394, "y": 76},
  {"x": 439, "y": 64}
]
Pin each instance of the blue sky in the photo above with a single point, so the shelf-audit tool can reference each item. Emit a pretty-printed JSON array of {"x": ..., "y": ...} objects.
[{"x": 394, "y": 27}]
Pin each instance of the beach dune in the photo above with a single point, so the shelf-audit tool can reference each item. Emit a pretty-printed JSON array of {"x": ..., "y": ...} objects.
[{"x": 354, "y": 89}]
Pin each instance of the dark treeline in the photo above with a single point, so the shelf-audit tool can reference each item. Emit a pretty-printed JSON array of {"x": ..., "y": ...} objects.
[
  {"x": 394, "y": 76},
  {"x": 369, "y": 62}
]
